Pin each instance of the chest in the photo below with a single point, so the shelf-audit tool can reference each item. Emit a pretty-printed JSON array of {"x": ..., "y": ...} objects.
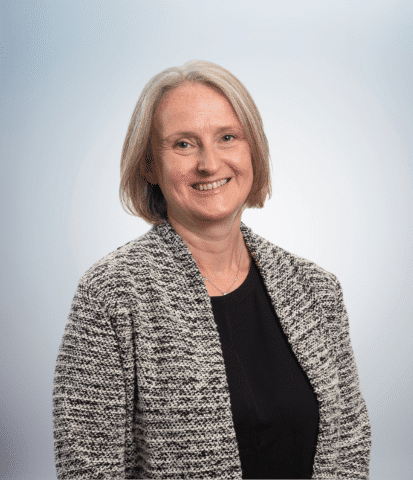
[{"x": 224, "y": 284}]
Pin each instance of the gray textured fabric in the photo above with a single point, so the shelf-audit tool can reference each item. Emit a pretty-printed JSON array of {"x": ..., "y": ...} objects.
[{"x": 140, "y": 389}]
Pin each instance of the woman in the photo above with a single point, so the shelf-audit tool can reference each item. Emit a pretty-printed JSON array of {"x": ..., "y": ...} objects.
[{"x": 200, "y": 349}]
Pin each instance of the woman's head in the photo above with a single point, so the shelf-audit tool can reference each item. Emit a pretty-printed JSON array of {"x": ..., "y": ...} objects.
[{"x": 190, "y": 97}]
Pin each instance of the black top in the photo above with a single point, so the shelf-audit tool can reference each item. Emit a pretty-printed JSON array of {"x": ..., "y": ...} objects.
[{"x": 274, "y": 407}]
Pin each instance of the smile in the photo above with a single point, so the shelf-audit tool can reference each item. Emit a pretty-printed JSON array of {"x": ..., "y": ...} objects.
[{"x": 210, "y": 186}]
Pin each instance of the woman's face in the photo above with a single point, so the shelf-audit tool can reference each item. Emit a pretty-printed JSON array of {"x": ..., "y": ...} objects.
[{"x": 197, "y": 138}]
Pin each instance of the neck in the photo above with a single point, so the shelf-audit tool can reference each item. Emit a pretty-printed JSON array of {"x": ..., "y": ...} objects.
[{"x": 216, "y": 249}]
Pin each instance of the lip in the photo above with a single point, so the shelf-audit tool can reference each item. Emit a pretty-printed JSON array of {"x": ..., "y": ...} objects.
[
  {"x": 211, "y": 182},
  {"x": 212, "y": 190}
]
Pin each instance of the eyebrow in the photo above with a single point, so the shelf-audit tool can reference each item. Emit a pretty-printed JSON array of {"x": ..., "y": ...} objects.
[{"x": 188, "y": 133}]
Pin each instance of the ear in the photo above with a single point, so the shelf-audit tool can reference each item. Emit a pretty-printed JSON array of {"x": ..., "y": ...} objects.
[
  {"x": 149, "y": 167},
  {"x": 152, "y": 178}
]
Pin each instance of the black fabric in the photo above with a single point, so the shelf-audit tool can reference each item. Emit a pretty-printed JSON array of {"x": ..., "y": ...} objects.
[{"x": 274, "y": 407}]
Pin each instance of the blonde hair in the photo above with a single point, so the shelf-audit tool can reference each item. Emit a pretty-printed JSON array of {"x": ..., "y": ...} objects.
[{"x": 145, "y": 200}]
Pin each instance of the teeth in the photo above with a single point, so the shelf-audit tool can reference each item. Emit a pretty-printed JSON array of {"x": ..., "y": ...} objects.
[{"x": 210, "y": 186}]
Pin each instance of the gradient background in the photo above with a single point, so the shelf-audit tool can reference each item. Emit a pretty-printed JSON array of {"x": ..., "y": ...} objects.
[{"x": 333, "y": 82}]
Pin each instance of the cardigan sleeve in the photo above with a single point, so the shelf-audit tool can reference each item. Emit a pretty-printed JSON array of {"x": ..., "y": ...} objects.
[
  {"x": 89, "y": 395},
  {"x": 355, "y": 429}
]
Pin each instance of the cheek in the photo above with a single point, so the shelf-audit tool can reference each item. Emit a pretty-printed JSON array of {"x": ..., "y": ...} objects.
[
  {"x": 174, "y": 172},
  {"x": 245, "y": 154},
  {"x": 247, "y": 163}
]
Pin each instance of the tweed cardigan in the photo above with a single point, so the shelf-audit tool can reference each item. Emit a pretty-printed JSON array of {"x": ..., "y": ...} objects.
[{"x": 140, "y": 387}]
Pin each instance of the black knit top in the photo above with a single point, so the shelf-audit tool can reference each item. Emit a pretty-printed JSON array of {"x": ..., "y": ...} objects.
[{"x": 274, "y": 408}]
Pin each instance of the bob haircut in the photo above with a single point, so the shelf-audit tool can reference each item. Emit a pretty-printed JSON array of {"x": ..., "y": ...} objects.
[{"x": 147, "y": 201}]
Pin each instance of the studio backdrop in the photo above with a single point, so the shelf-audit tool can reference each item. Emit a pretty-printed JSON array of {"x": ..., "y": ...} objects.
[{"x": 333, "y": 83}]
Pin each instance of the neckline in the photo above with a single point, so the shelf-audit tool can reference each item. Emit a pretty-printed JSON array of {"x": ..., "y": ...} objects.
[{"x": 239, "y": 292}]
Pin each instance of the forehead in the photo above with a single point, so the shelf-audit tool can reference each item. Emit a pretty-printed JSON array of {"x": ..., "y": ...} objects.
[{"x": 192, "y": 105}]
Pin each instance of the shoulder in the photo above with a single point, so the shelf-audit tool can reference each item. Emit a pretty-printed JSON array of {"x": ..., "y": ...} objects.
[
  {"x": 291, "y": 264},
  {"x": 116, "y": 271},
  {"x": 311, "y": 270}
]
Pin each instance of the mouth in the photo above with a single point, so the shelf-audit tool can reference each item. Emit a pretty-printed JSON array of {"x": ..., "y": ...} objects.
[{"x": 208, "y": 187}]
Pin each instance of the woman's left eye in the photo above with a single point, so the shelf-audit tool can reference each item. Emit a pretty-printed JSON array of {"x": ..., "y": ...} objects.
[{"x": 228, "y": 135}]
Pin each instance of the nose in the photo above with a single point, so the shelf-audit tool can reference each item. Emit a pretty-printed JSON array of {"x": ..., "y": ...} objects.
[{"x": 208, "y": 158}]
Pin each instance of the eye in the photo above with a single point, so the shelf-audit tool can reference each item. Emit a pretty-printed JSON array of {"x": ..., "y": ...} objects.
[
  {"x": 228, "y": 135},
  {"x": 179, "y": 143}
]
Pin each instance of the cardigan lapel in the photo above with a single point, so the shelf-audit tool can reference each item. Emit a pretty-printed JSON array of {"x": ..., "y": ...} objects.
[{"x": 302, "y": 307}]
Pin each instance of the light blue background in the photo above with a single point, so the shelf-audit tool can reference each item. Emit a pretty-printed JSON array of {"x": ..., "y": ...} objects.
[{"x": 333, "y": 82}]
